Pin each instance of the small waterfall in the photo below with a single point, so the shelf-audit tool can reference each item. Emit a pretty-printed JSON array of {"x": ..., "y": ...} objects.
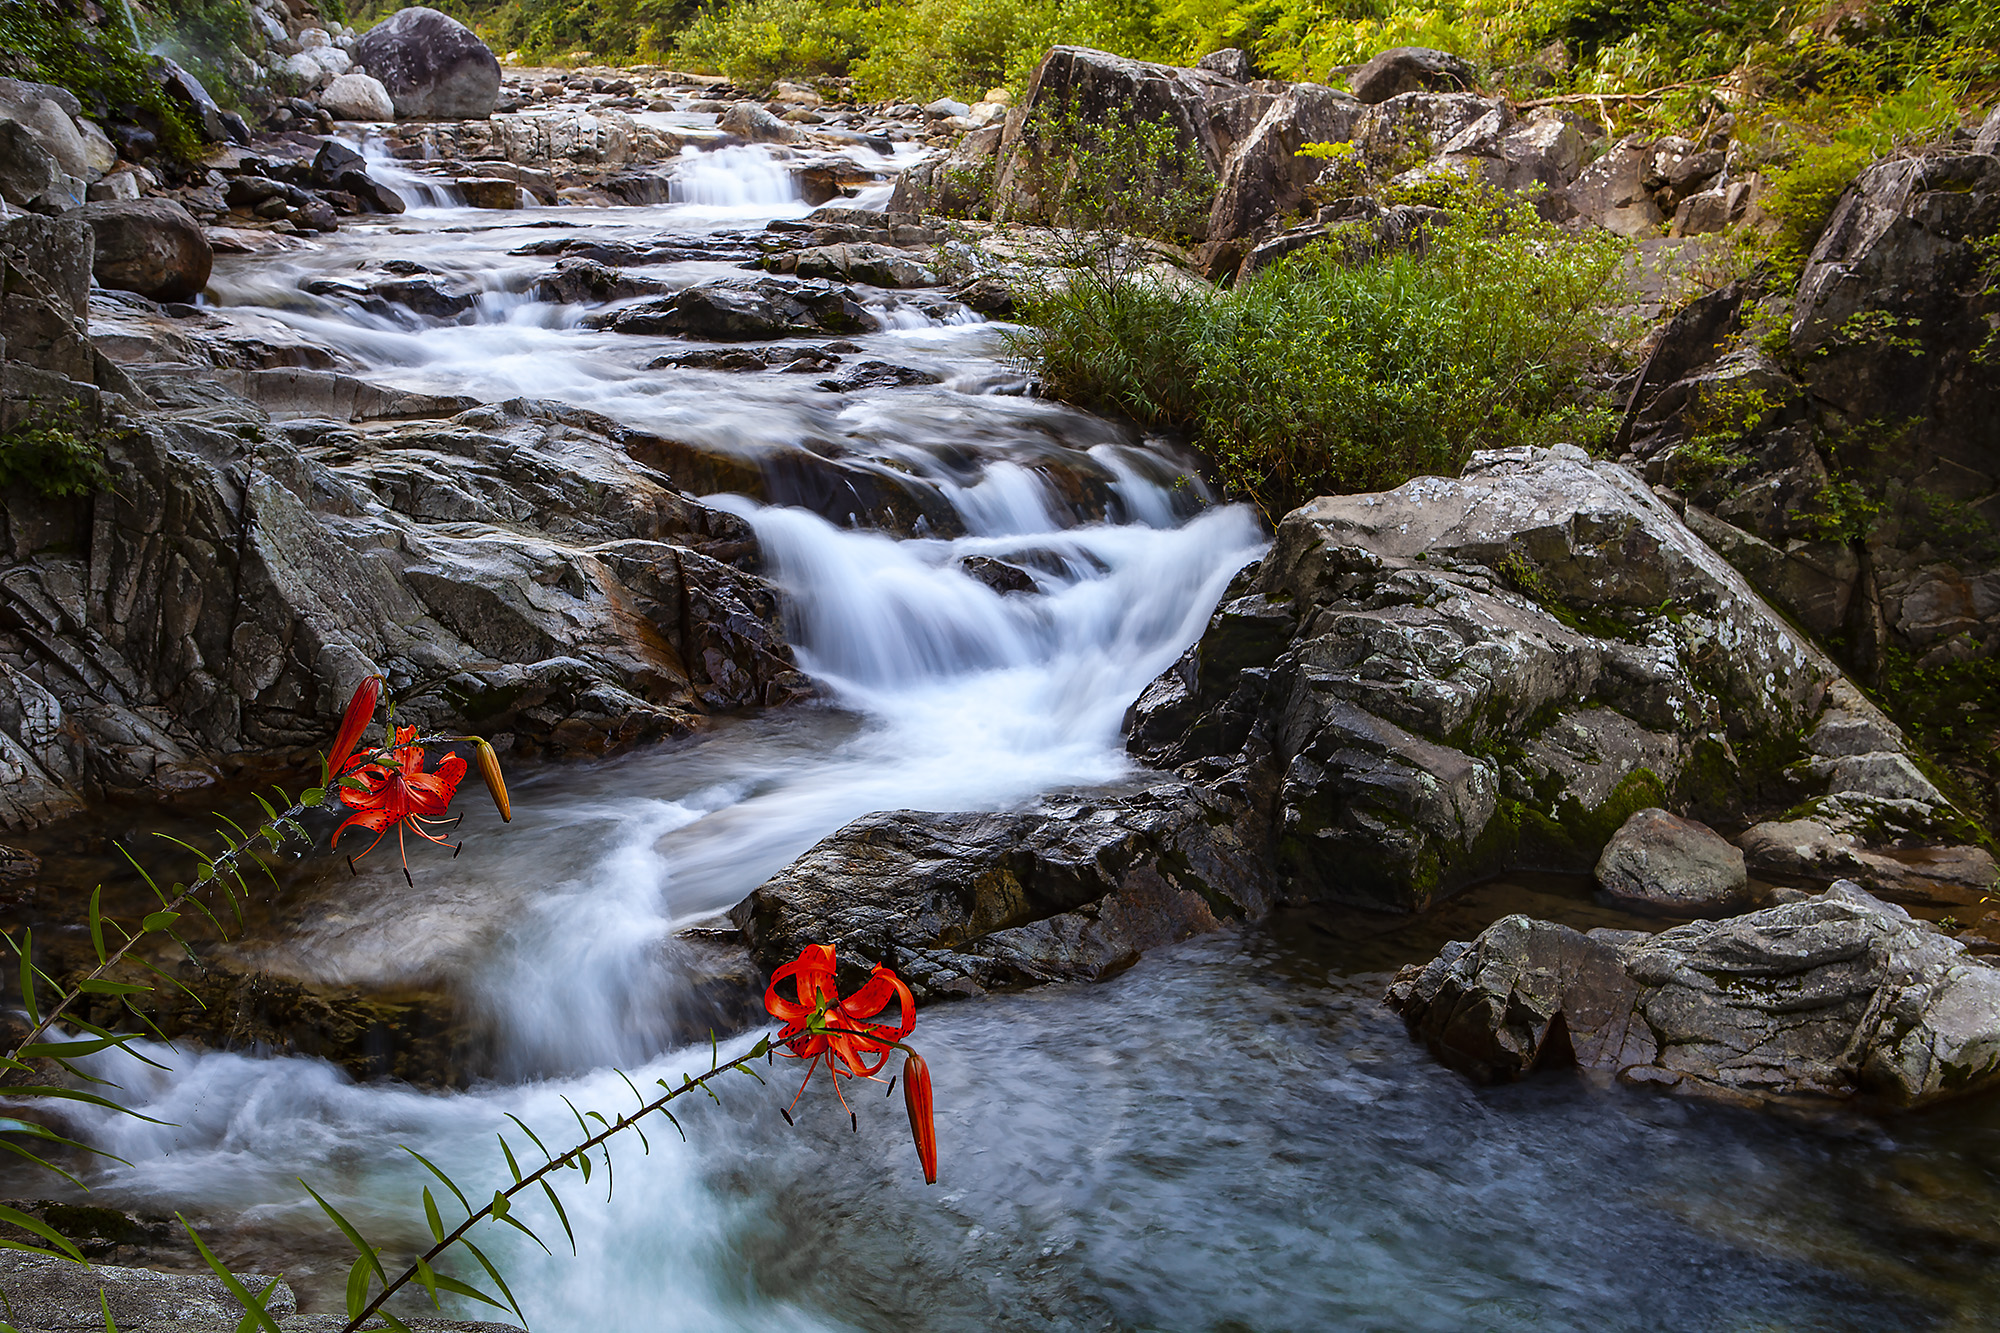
[
  {"x": 417, "y": 191},
  {"x": 738, "y": 177}
]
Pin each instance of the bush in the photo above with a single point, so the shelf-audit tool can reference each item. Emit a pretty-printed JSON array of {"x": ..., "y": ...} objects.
[
  {"x": 53, "y": 455},
  {"x": 1321, "y": 375},
  {"x": 50, "y": 41}
]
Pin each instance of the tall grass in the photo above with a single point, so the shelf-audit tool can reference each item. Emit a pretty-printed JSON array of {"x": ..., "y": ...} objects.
[{"x": 1319, "y": 375}]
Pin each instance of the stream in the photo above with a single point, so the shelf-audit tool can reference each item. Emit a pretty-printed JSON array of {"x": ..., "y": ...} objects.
[{"x": 1232, "y": 1135}]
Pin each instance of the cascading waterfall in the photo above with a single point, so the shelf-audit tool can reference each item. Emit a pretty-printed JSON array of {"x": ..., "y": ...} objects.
[{"x": 1232, "y": 1135}]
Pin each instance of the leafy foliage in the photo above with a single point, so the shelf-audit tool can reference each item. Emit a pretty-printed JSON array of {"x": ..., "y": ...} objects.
[
  {"x": 51, "y": 42},
  {"x": 1321, "y": 374},
  {"x": 53, "y": 455}
]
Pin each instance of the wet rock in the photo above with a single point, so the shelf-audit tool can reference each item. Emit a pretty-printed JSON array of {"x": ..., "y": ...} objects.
[
  {"x": 55, "y": 129},
  {"x": 958, "y": 184},
  {"x": 1410, "y": 69},
  {"x": 418, "y": 294},
  {"x": 488, "y": 192},
  {"x": 432, "y": 66},
  {"x": 1840, "y": 995},
  {"x": 961, "y": 904},
  {"x": 580, "y": 281},
  {"x": 30, "y": 176},
  {"x": 736, "y": 311},
  {"x": 864, "y": 262},
  {"x": 997, "y": 574},
  {"x": 359, "y": 97},
  {"x": 878, "y": 375},
  {"x": 749, "y": 121},
  {"x": 1467, "y": 674},
  {"x": 1659, "y": 862},
  {"x": 149, "y": 246},
  {"x": 1836, "y": 845},
  {"x": 790, "y": 360}
]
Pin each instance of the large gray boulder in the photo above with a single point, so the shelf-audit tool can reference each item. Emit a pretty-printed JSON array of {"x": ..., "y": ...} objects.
[
  {"x": 1837, "y": 996},
  {"x": 1265, "y": 177},
  {"x": 149, "y": 246},
  {"x": 747, "y": 120},
  {"x": 1659, "y": 862},
  {"x": 30, "y": 176},
  {"x": 358, "y": 97},
  {"x": 1410, "y": 69},
  {"x": 433, "y": 66},
  {"x": 1612, "y": 193},
  {"x": 1497, "y": 670},
  {"x": 743, "y": 311},
  {"x": 960, "y": 904}
]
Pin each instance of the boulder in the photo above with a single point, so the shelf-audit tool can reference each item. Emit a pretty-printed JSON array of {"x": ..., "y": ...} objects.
[
  {"x": 357, "y": 97},
  {"x": 1265, "y": 177},
  {"x": 578, "y": 281},
  {"x": 149, "y": 246},
  {"x": 865, "y": 262},
  {"x": 1836, "y": 996},
  {"x": 743, "y": 311},
  {"x": 962, "y": 904},
  {"x": 1410, "y": 69},
  {"x": 1423, "y": 123},
  {"x": 1611, "y": 192},
  {"x": 433, "y": 66},
  {"x": 30, "y": 176},
  {"x": 1987, "y": 140},
  {"x": 1658, "y": 862},
  {"x": 487, "y": 192},
  {"x": 1461, "y": 675},
  {"x": 217, "y": 125},
  {"x": 57, "y": 132},
  {"x": 1230, "y": 62},
  {"x": 1828, "y": 847},
  {"x": 747, "y": 120},
  {"x": 44, "y": 329}
]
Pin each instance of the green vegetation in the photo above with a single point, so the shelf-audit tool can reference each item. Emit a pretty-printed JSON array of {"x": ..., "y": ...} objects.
[
  {"x": 53, "y": 455},
  {"x": 50, "y": 41},
  {"x": 1321, "y": 375}
]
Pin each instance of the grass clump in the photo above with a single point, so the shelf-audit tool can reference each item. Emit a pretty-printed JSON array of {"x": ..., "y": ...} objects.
[{"x": 1321, "y": 375}]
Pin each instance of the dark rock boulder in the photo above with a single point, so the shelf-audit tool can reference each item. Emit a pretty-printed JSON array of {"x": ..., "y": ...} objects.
[
  {"x": 1230, "y": 62},
  {"x": 960, "y": 904},
  {"x": 30, "y": 176},
  {"x": 863, "y": 262},
  {"x": 1266, "y": 178},
  {"x": 998, "y": 574},
  {"x": 1498, "y": 670},
  {"x": 1658, "y": 862},
  {"x": 149, "y": 246},
  {"x": 581, "y": 281},
  {"x": 747, "y": 120},
  {"x": 1410, "y": 69},
  {"x": 1835, "y": 996},
  {"x": 743, "y": 311},
  {"x": 434, "y": 67}
]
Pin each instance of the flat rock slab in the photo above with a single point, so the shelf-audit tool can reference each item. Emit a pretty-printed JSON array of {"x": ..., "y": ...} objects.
[{"x": 1836, "y": 996}]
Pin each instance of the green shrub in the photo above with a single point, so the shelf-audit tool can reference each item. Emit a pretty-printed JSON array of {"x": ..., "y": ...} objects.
[
  {"x": 53, "y": 455},
  {"x": 49, "y": 41},
  {"x": 1321, "y": 375}
]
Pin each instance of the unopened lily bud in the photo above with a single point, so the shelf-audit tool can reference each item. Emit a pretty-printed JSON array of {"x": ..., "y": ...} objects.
[
  {"x": 360, "y": 712},
  {"x": 489, "y": 769},
  {"x": 917, "y": 1099}
]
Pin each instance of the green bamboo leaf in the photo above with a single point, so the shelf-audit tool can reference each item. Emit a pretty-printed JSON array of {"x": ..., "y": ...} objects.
[
  {"x": 104, "y": 1304},
  {"x": 675, "y": 1123},
  {"x": 100, "y": 986},
  {"x": 431, "y": 1216},
  {"x": 270, "y": 812},
  {"x": 253, "y": 1304},
  {"x": 366, "y": 1250},
  {"x": 512, "y": 1165},
  {"x": 159, "y": 921},
  {"x": 530, "y": 1133},
  {"x": 357, "y": 1287},
  {"x": 249, "y": 1322},
  {"x": 446, "y": 1180},
  {"x": 97, "y": 924},
  {"x": 428, "y": 1280},
  {"x": 312, "y": 797},
  {"x": 498, "y": 1281},
  {"x": 515, "y": 1223},
  {"x": 561, "y": 1216},
  {"x": 77, "y": 1095},
  {"x": 28, "y": 979},
  {"x": 457, "y": 1288},
  {"x": 133, "y": 861},
  {"x": 38, "y": 1160},
  {"x": 395, "y": 1325}
]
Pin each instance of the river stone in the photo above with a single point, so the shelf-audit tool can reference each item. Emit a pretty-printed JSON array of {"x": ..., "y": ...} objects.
[
  {"x": 488, "y": 192},
  {"x": 875, "y": 265},
  {"x": 1659, "y": 862},
  {"x": 961, "y": 904},
  {"x": 53, "y": 127},
  {"x": 578, "y": 280},
  {"x": 749, "y": 121},
  {"x": 432, "y": 66},
  {"x": 1265, "y": 177},
  {"x": 1839, "y": 995},
  {"x": 149, "y": 246},
  {"x": 357, "y": 97},
  {"x": 743, "y": 311}
]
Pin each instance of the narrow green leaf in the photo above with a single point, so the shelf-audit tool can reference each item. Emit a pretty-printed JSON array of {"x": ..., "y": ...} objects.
[
  {"x": 498, "y": 1281},
  {"x": 133, "y": 861},
  {"x": 444, "y": 1179},
  {"x": 431, "y": 1215},
  {"x": 515, "y": 1223},
  {"x": 357, "y": 1287},
  {"x": 253, "y": 1304},
  {"x": 28, "y": 978},
  {"x": 395, "y": 1325},
  {"x": 428, "y": 1280},
  {"x": 104, "y": 1304},
  {"x": 561, "y": 1216},
  {"x": 500, "y": 1204},
  {"x": 530, "y": 1133},
  {"x": 100, "y": 986},
  {"x": 312, "y": 797},
  {"x": 38, "y": 1160},
  {"x": 97, "y": 924},
  {"x": 457, "y": 1288},
  {"x": 512, "y": 1165},
  {"x": 159, "y": 921},
  {"x": 366, "y": 1250},
  {"x": 248, "y": 1323}
]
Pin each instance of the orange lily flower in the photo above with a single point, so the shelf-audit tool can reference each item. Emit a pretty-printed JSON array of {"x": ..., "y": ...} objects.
[
  {"x": 403, "y": 795},
  {"x": 917, "y": 1101},
  {"x": 857, "y": 1047}
]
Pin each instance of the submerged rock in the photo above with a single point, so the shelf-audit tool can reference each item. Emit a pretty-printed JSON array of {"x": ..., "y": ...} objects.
[
  {"x": 1841, "y": 996},
  {"x": 960, "y": 904}
]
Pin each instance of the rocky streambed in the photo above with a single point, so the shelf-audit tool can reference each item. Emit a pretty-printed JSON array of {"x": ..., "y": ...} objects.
[{"x": 800, "y": 621}]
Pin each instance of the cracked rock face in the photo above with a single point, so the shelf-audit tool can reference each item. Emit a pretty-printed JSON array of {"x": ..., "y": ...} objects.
[
  {"x": 1497, "y": 670},
  {"x": 1836, "y": 996}
]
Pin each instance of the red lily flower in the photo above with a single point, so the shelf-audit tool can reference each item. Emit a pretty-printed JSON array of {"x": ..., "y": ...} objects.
[
  {"x": 360, "y": 712},
  {"x": 852, "y": 1047},
  {"x": 404, "y": 795}
]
